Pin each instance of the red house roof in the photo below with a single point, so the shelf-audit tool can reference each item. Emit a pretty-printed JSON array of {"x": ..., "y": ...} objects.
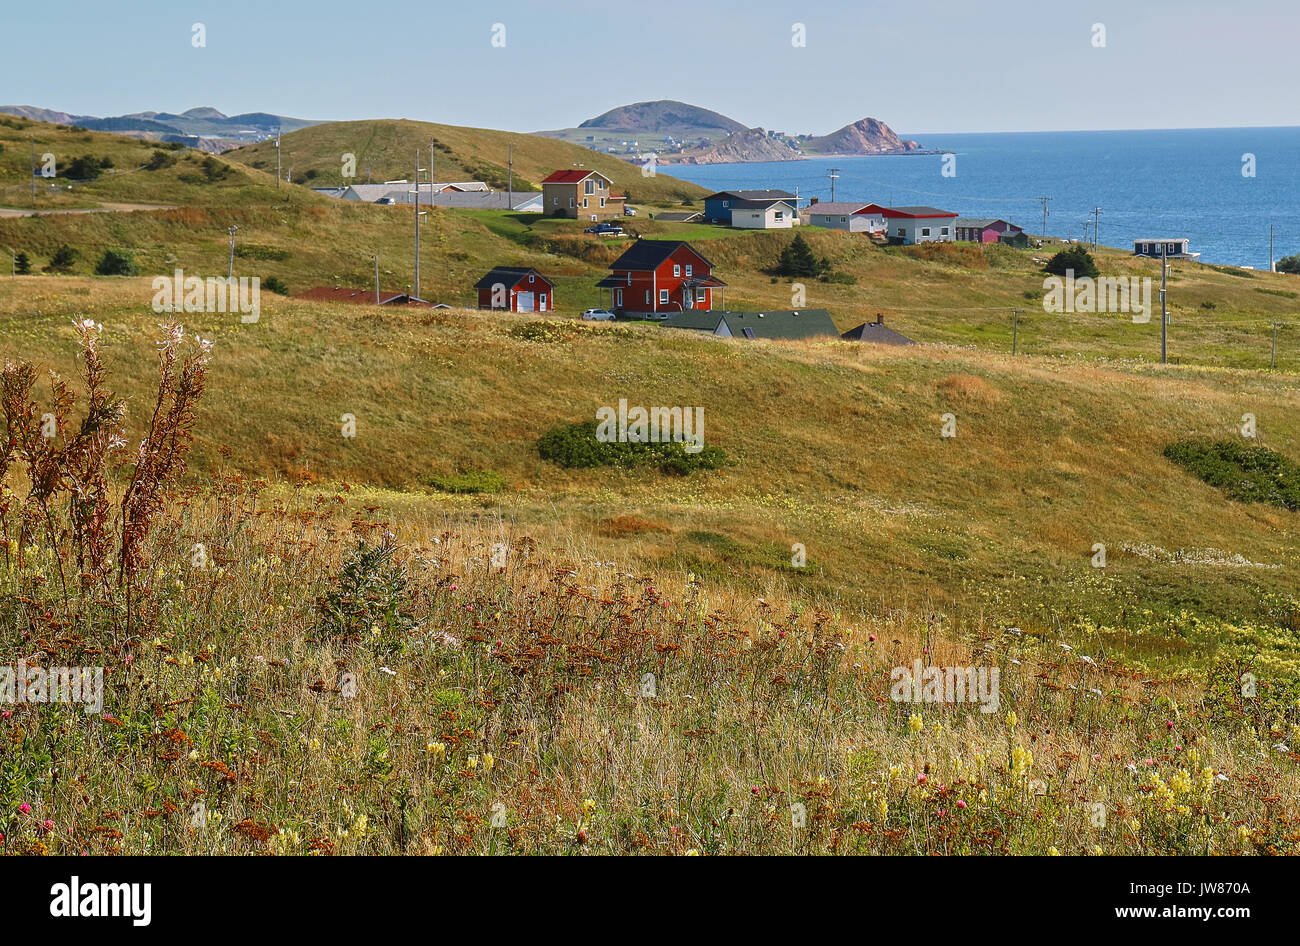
[{"x": 569, "y": 177}]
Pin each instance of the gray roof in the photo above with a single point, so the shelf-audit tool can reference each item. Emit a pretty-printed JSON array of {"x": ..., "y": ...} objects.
[
  {"x": 754, "y": 195},
  {"x": 839, "y": 208},
  {"x": 876, "y": 332},
  {"x": 922, "y": 211},
  {"x": 487, "y": 200},
  {"x": 757, "y": 203},
  {"x": 788, "y": 324},
  {"x": 673, "y": 216},
  {"x": 981, "y": 222},
  {"x": 701, "y": 320}
]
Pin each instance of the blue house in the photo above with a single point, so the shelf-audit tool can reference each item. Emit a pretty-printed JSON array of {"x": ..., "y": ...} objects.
[{"x": 718, "y": 207}]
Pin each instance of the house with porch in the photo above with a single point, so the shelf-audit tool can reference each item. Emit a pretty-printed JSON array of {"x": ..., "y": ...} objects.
[
  {"x": 1169, "y": 247},
  {"x": 659, "y": 277},
  {"x": 846, "y": 215},
  {"x": 581, "y": 194},
  {"x": 516, "y": 289}
]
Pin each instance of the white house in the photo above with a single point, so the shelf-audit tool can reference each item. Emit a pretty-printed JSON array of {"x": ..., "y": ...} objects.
[
  {"x": 763, "y": 214},
  {"x": 843, "y": 215},
  {"x": 918, "y": 224}
]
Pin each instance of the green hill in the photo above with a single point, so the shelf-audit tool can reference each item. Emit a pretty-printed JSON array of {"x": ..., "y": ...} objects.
[{"x": 388, "y": 149}]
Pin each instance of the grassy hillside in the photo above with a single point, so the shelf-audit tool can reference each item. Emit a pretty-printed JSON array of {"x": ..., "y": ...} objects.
[
  {"x": 388, "y": 148},
  {"x": 832, "y": 445}
]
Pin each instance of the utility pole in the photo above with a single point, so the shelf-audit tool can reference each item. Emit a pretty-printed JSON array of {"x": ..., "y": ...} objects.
[
  {"x": 510, "y": 176},
  {"x": 833, "y": 174},
  {"x": 416, "y": 290},
  {"x": 376, "y": 280},
  {"x": 277, "y": 159},
  {"x": 1164, "y": 305},
  {"x": 1044, "y": 200},
  {"x": 230, "y": 269},
  {"x": 1271, "y": 267},
  {"x": 1015, "y": 328},
  {"x": 1096, "y": 226},
  {"x": 33, "y": 141}
]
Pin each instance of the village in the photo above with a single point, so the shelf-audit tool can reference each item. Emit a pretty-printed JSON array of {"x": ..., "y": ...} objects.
[{"x": 668, "y": 281}]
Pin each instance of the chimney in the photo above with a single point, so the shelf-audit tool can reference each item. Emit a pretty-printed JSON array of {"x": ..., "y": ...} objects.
[
  {"x": 812, "y": 200},
  {"x": 880, "y": 318}
]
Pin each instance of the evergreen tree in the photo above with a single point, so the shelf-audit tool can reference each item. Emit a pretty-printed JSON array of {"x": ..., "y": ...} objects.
[
  {"x": 797, "y": 259},
  {"x": 22, "y": 264}
]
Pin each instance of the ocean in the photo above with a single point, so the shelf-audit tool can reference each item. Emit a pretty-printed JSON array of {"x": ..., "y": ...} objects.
[{"x": 1148, "y": 184}]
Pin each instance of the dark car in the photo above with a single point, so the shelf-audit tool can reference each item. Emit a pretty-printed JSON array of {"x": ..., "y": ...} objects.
[{"x": 605, "y": 229}]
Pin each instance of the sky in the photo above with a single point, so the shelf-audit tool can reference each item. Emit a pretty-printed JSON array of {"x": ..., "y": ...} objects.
[{"x": 921, "y": 66}]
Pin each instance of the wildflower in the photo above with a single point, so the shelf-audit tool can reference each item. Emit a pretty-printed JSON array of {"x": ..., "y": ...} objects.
[
  {"x": 1012, "y": 719},
  {"x": 472, "y": 762},
  {"x": 882, "y": 806},
  {"x": 693, "y": 852},
  {"x": 961, "y": 804},
  {"x": 589, "y": 805},
  {"x": 25, "y": 808},
  {"x": 1022, "y": 760},
  {"x": 1053, "y": 852},
  {"x": 488, "y": 761},
  {"x": 1096, "y": 850},
  {"x": 984, "y": 797},
  {"x": 47, "y": 825},
  {"x": 1134, "y": 825},
  {"x": 915, "y": 723},
  {"x": 436, "y": 749}
]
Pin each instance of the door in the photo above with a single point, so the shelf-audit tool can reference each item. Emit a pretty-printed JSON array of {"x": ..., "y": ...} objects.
[
  {"x": 541, "y": 302},
  {"x": 523, "y": 302}
]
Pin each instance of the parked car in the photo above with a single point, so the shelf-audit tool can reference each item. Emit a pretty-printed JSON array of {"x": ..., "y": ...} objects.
[
  {"x": 629, "y": 211},
  {"x": 385, "y": 200},
  {"x": 605, "y": 229},
  {"x": 598, "y": 315}
]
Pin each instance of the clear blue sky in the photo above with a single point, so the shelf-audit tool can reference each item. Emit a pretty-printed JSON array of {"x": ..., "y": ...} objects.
[{"x": 919, "y": 65}]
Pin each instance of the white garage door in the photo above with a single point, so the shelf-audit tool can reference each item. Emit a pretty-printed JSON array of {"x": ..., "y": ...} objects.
[{"x": 523, "y": 302}]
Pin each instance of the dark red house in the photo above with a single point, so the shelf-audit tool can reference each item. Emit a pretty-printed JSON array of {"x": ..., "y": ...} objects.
[
  {"x": 661, "y": 277},
  {"x": 517, "y": 288}
]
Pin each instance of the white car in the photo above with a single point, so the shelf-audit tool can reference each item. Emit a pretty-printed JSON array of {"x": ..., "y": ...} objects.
[{"x": 598, "y": 315}]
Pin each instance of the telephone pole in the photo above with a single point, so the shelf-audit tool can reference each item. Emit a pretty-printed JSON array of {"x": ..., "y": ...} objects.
[
  {"x": 416, "y": 288},
  {"x": 277, "y": 159},
  {"x": 230, "y": 269},
  {"x": 33, "y": 141},
  {"x": 1271, "y": 267},
  {"x": 1096, "y": 226},
  {"x": 1164, "y": 305},
  {"x": 376, "y": 280},
  {"x": 510, "y": 177},
  {"x": 833, "y": 174},
  {"x": 1044, "y": 200}
]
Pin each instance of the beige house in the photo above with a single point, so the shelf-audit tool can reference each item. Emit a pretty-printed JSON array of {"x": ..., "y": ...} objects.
[{"x": 581, "y": 195}]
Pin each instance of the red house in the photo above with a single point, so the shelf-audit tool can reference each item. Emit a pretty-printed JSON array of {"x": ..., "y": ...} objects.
[
  {"x": 661, "y": 277},
  {"x": 517, "y": 288}
]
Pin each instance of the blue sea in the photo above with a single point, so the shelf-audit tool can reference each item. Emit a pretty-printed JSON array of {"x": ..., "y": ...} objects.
[{"x": 1171, "y": 183}]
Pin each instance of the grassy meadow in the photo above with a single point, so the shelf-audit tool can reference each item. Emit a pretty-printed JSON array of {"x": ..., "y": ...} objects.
[{"x": 314, "y": 644}]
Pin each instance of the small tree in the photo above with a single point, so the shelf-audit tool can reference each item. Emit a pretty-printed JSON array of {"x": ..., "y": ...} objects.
[
  {"x": 116, "y": 263},
  {"x": 275, "y": 284},
  {"x": 1075, "y": 259},
  {"x": 797, "y": 259},
  {"x": 1289, "y": 264},
  {"x": 22, "y": 264},
  {"x": 62, "y": 259}
]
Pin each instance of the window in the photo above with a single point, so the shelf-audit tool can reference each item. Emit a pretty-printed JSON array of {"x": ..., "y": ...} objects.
[
  {"x": 602, "y": 202},
  {"x": 555, "y": 201},
  {"x": 584, "y": 201},
  {"x": 689, "y": 269},
  {"x": 618, "y": 298},
  {"x": 647, "y": 297},
  {"x": 572, "y": 202},
  {"x": 726, "y": 203},
  {"x": 677, "y": 270},
  {"x": 530, "y": 277},
  {"x": 925, "y": 231},
  {"x": 701, "y": 295},
  {"x": 902, "y": 231},
  {"x": 943, "y": 231},
  {"x": 780, "y": 215},
  {"x": 589, "y": 186},
  {"x": 629, "y": 277},
  {"x": 844, "y": 219},
  {"x": 663, "y": 296}
]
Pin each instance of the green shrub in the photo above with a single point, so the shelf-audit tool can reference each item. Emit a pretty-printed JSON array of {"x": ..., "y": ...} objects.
[
  {"x": 158, "y": 160},
  {"x": 116, "y": 263},
  {"x": 62, "y": 259},
  {"x": 1289, "y": 264},
  {"x": 574, "y": 446},
  {"x": 369, "y": 592},
  {"x": 275, "y": 284},
  {"x": 1074, "y": 258},
  {"x": 22, "y": 264},
  {"x": 467, "y": 482},
  {"x": 1248, "y": 474}
]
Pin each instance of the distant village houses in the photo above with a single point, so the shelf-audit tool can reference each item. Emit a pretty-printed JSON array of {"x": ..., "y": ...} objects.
[
  {"x": 718, "y": 207},
  {"x": 1176, "y": 248}
]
